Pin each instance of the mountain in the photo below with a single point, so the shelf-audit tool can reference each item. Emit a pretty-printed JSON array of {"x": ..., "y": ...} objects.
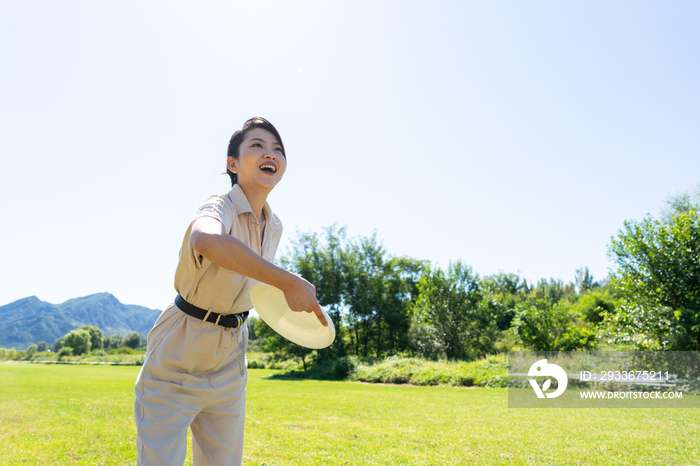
[{"x": 30, "y": 320}]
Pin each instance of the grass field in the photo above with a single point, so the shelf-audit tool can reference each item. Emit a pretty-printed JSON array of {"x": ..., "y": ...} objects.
[{"x": 83, "y": 415}]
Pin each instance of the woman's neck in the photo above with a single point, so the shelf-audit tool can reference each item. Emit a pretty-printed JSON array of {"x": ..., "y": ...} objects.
[{"x": 256, "y": 199}]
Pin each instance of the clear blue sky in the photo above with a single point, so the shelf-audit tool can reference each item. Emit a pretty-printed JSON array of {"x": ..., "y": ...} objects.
[{"x": 515, "y": 136}]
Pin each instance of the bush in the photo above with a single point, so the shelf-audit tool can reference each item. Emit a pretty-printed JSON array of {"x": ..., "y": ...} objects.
[
  {"x": 57, "y": 345},
  {"x": 8, "y": 354},
  {"x": 330, "y": 369},
  {"x": 66, "y": 351},
  {"x": 487, "y": 372},
  {"x": 31, "y": 350},
  {"x": 95, "y": 337},
  {"x": 542, "y": 325},
  {"x": 122, "y": 350},
  {"x": 112, "y": 341},
  {"x": 132, "y": 340},
  {"x": 79, "y": 340},
  {"x": 256, "y": 365}
]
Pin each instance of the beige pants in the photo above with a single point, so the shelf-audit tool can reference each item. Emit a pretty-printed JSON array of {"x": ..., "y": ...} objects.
[{"x": 194, "y": 375}]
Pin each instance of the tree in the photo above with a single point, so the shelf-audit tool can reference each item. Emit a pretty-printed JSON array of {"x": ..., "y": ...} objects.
[
  {"x": 95, "y": 336},
  {"x": 320, "y": 261},
  {"x": 685, "y": 202},
  {"x": 584, "y": 281},
  {"x": 57, "y": 344},
  {"x": 112, "y": 341},
  {"x": 542, "y": 325},
  {"x": 507, "y": 290},
  {"x": 658, "y": 277},
  {"x": 455, "y": 315},
  {"x": 31, "y": 350},
  {"x": 596, "y": 304},
  {"x": 275, "y": 343},
  {"x": 42, "y": 346},
  {"x": 554, "y": 290},
  {"x": 366, "y": 292},
  {"x": 79, "y": 340},
  {"x": 132, "y": 340}
]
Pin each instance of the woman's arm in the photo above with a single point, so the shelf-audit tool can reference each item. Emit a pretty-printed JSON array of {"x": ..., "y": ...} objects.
[{"x": 209, "y": 239}]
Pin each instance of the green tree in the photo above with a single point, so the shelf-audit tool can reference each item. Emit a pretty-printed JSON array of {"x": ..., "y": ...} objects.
[
  {"x": 79, "y": 340},
  {"x": 658, "y": 277},
  {"x": 584, "y": 281},
  {"x": 553, "y": 289},
  {"x": 507, "y": 290},
  {"x": 366, "y": 292},
  {"x": 597, "y": 303},
  {"x": 42, "y": 346},
  {"x": 57, "y": 344},
  {"x": 95, "y": 336},
  {"x": 453, "y": 314},
  {"x": 132, "y": 340},
  {"x": 275, "y": 343},
  {"x": 320, "y": 261},
  {"x": 379, "y": 292},
  {"x": 112, "y": 341},
  {"x": 541, "y": 325},
  {"x": 682, "y": 203},
  {"x": 31, "y": 350}
]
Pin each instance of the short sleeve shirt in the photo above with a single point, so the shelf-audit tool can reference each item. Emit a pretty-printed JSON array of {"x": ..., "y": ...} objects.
[{"x": 209, "y": 286}]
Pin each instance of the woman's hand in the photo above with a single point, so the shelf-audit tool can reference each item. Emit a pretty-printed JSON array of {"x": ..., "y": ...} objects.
[{"x": 301, "y": 297}]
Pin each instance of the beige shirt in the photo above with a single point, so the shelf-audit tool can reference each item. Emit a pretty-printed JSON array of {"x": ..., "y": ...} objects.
[{"x": 209, "y": 286}]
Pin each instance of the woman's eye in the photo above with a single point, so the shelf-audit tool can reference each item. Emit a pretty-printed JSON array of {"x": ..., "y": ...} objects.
[{"x": 256, "y": 144}]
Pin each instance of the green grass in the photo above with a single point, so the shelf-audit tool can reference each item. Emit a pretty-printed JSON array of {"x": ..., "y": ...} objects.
[{"x": 83, "y": 415}]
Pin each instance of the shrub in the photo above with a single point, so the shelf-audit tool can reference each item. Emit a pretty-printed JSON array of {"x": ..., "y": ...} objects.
[
  {"x": 79, "y": 340},
  {"x": 30, "y": 351},
  {"x": 95, "y": 337},
  {"x": 132, "y": 340},
  {"x": 122, "y": 350},
  {"x": 256, "y": 365},
  {"x": 66, "y": 351},
  {"x": 487, "y": 372},
  {"x": 112, "y": 341}
]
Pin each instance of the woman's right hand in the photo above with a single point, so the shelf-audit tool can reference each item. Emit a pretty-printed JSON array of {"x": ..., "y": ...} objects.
[{"x": 301, "y": 297}]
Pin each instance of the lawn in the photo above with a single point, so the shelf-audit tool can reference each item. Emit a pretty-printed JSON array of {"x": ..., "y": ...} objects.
[{"x": 82, "y": 415}]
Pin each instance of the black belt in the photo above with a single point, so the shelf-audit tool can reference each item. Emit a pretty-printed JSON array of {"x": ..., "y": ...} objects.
[{"x": 222, "y": 320}]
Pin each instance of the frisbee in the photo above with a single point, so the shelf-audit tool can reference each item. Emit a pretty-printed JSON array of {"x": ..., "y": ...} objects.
[{"x": 302, "y": 328}]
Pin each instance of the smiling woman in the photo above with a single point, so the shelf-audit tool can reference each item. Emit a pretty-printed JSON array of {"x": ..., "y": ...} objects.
[{"x": 194, "y": 373}]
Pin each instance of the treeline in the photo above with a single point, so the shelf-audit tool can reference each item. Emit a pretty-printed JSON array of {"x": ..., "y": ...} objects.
[
  {"x": 384, "y": 305},
  {"x": 84, "y": 340}
]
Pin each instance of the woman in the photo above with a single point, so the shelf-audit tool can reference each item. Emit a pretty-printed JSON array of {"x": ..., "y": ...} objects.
[{"x": 194, "y": 373}]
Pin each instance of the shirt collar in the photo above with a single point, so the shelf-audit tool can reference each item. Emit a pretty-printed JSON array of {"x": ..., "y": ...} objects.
[{"x": 239, "y": 199}]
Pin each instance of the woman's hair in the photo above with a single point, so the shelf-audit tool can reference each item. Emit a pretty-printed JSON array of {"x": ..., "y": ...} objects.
[{"x": 235, "y": 143}]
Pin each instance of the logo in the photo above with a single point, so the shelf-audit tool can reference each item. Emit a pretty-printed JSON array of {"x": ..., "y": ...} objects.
[{"x": 541, "y": 368}]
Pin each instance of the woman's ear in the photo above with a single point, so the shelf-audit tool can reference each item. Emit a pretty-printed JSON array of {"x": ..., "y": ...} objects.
[{"x": 232, "y": 165}]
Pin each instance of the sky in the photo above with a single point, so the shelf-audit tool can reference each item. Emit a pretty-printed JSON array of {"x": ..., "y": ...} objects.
[{"x": 513, "y": 136}]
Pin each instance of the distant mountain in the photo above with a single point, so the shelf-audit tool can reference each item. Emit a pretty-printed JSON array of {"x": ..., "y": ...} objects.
[{"x": 30, "y": 320}]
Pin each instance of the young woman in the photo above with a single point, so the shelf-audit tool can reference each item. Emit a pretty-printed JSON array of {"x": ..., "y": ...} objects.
[{"x": 195, "y": 373}]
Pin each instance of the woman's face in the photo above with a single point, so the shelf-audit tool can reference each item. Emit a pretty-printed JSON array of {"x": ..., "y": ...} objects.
[{"x": 260, "y": 163}]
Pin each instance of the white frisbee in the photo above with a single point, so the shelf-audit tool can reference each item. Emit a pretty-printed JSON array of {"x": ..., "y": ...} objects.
[{"x": 302, "y": 328}]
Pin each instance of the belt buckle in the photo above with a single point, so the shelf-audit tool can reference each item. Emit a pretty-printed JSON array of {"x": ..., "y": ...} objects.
[{"x": 217, "y": 321}]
